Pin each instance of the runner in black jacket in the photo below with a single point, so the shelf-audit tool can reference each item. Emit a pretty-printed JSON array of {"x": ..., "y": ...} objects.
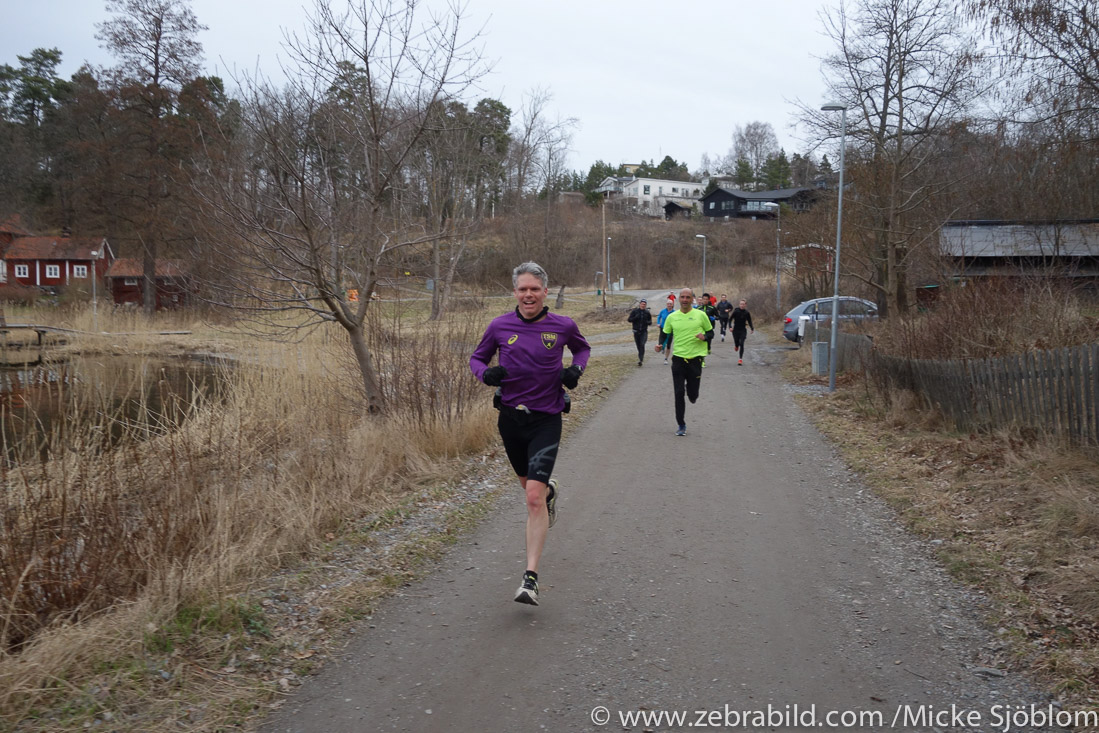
[
  {"x": 641, "y": 319},
  {"x": 724, "y": 309},
  {"x": 707, "y": 306},
  {"x": 742, "y": 320}
]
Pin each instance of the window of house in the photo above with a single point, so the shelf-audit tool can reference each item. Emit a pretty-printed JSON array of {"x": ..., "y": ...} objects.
[
  {"x": 661, "y": 190},
  {"x": 131, "y": 281},
  {"x": 22, "y": 271},
  {"x": 675, "y": 190},
  {"x": 80, "y": 270},
  {"x": 647, "y": 190},
  {"x": 53, "y": 271},
  {"x": 711, "y": 204}
]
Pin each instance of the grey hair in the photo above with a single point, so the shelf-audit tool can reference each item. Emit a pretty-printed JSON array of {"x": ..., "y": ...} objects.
[{"x": 529, "y": 268}]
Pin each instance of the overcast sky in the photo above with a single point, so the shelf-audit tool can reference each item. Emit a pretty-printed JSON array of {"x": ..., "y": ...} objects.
[{"x": 643, "y": 78}]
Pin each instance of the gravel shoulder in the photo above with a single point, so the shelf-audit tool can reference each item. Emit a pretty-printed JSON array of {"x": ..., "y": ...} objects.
[{"x": 740, "y": 567}]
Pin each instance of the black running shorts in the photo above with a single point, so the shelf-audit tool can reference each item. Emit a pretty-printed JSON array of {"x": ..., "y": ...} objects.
[{"x": 530, "y": 440}]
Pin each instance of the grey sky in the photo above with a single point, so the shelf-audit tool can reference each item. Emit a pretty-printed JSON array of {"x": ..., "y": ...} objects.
[{"x": 644, "y": 78}]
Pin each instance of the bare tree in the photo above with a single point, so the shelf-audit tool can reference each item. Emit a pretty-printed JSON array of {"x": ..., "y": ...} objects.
[
  {"x": 1052, "y": 48},
  {"x": 755, "y": 143},
  {"x": 908, "y": 74},
  {"x": 537, "y": 144},
  {"x": 321, "y": 203}
]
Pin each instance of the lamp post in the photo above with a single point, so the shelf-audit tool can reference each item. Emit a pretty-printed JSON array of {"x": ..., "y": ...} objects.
[
  {"x": 778, "y": 254},
  {"x": 95, "y": 301},
  {"x": 703, "y": 238},
  {"x": 842, "y": 109},
  {"x": 607, "y": 277}
]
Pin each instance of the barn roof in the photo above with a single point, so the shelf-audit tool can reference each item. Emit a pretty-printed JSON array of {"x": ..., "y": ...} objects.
[{"x": 1020, "y": 239}]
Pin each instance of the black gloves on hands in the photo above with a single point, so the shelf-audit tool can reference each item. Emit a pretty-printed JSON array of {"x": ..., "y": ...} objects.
[
  {"x": 493, "y": 376},
  {"x": 571, "y": 377}
]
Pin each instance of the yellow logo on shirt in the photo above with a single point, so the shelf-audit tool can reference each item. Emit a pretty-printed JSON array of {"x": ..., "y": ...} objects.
[
  {"x": 549, "y": 340},
  {"x": 513, "y": 339}
]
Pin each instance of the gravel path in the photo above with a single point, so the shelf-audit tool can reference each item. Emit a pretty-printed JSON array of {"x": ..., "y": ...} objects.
[{"x": 739, "y": 572}]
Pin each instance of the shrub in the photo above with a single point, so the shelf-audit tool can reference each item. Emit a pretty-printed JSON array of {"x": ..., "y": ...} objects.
[
  {"x": 19, "y": 295},
  {"x": 998, "y": 318}
]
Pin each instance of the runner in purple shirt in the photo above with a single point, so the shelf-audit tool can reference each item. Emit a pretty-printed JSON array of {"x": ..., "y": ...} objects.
[{"x": 531, "y": 343}]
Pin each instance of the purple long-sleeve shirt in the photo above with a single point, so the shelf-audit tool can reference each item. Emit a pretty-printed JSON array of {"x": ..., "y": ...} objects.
[{"x": 533, "y": 355}]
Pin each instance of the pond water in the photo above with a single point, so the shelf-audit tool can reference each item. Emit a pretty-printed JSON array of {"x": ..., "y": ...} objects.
[{"x": 50, "y": 403}]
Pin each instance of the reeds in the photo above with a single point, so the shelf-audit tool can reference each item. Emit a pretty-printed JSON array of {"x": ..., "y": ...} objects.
[{"x": 97, "y": 546}]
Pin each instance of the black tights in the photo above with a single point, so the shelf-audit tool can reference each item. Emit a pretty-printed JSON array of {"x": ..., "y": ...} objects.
[
  {"x": 738, "y": 342},
  {"x": 686, "y": 379}
]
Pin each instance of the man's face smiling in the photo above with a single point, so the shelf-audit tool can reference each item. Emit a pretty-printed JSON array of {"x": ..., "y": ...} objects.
[
  {"x": 686, "y": 299},
  {"x": 530, "y": 295}
]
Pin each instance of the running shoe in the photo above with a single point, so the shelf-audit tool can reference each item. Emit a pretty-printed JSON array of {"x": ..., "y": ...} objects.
[
  {"x": 528, "y": 591},
  {"x": 551, "y": 502},
  {"x": 740, "y": 362},
  {"x": 682, "y": 430}
]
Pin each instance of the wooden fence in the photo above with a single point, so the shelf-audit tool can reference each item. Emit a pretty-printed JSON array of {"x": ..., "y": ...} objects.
[
  {"x": 852, "y": 349},
  {"x": 1055, "y": 391}
]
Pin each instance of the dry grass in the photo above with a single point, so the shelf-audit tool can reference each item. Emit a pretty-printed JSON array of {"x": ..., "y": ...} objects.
[
  {"x": 96, "y": 548},
  {"x": 985, "y": 320}
]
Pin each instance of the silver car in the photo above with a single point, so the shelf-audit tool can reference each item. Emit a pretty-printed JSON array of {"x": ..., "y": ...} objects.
[{"x": 818, "y": 312}]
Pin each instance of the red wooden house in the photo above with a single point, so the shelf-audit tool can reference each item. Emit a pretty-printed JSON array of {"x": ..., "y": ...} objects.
[
  {"x": 126, "y": 283},
  {"x": 53, "y": 263}
]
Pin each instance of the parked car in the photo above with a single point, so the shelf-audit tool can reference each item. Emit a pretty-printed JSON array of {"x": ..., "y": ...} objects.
[{"x": 819, "y": 311}]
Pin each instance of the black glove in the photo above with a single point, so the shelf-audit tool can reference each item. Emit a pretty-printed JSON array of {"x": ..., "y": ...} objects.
[
  {"x": 571, "y": 377},
  {"x": 493, "y": 376}
]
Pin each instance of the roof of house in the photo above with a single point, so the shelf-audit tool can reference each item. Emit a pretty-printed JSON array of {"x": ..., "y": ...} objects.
[
  {"x": 54, "y": 248},
  {"x": 14, "y": 225},
  {"x": 133, "y": 267},
  {"x": 1020, "y": 239},
  {"x": 778, "y": 194}
]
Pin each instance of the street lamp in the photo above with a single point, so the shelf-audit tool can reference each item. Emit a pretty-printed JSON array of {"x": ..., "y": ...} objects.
[
  {"x": 607, "y": 277},
  {"x": 95, "y": 302},
  {"x": 842, "y": 109},
  {"x": 778, "y": 254},
  {"x": 703, "y": 238}
]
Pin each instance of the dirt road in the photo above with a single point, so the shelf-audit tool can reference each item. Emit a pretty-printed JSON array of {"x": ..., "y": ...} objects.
[{"x": 735, "y": 573}]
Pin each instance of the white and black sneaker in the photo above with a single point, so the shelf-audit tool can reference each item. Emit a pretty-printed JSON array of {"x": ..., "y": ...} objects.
[
  {"x": 551, "y": 502},
  {"x": 528, "y": 591}
]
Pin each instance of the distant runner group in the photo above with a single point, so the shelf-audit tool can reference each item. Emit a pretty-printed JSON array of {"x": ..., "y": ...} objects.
[{"x": 531, "y": 379}]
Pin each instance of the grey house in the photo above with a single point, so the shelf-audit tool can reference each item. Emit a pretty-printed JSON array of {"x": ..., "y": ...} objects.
[{"x": 725, "y": 203}]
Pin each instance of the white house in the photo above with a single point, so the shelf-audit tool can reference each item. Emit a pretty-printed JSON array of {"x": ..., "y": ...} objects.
[{"x": 648, "y": 196}]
